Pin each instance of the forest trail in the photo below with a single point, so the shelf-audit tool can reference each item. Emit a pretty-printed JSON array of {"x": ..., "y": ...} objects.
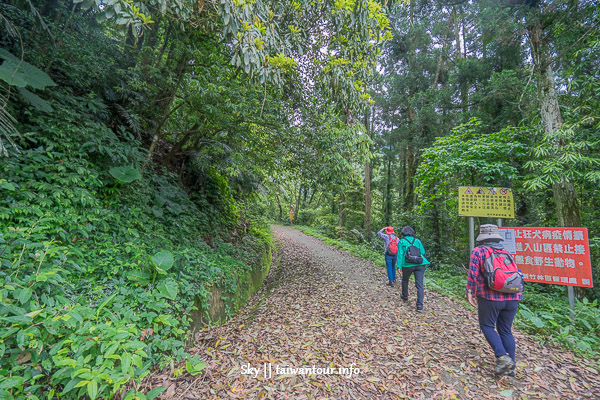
[{"x": 323, "y": 307}]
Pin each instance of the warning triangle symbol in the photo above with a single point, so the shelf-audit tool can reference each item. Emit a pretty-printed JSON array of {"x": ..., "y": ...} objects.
[
  {"x": 503, "y": 191},
  {"x": 480, "y": 191},
  {"x": 492, "y": 191},
  {"x": 468, "y": 191}
]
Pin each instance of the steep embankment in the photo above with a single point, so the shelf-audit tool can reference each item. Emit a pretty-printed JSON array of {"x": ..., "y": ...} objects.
[
  {"x": 101, "y": 266},
  {"x": 326, "y": 309}
]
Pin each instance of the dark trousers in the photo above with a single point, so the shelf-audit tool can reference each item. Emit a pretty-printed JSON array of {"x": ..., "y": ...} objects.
[
  {"x": 419, "y": 272},
  {"x": 390, "y": 262},
  {"x": 495, "y": 320}
]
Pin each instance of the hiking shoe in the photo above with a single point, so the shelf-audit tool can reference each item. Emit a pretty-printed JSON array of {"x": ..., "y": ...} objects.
[
  {"x": 390, "y": 283},
  {"x": 504, "y": 365},
  {"x": 419, "y": 309},
  {"x": 512, "y": 373},
  {"x": 405, "y": 299}
]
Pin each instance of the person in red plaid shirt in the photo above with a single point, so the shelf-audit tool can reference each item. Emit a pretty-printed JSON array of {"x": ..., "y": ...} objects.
[{"x": 496, "y": 310}]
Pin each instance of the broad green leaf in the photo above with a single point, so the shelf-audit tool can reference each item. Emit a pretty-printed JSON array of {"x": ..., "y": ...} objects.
[
  {"x": 125, "y": 362},
  {"x": 34, "y": 313},
  {"x": 139, "y": 276},
  {"x": 168, "y": 288},
  {"x": 194, "y": 369},
  {"x": 506, "y": 393},
  {"x": 71, "y": 385},
  {"x": 10, "y": 75},
  {"x": 20, "y": 73},
  {"x": 92, "y": 389},
  {"x": 125, "y": 174},
  {"x": 537, "y": 321},
  {"x": 25, "y": 295},
  {"x": 11, "y": 382},
  {"x": 154, "y": 393},
  {"x": 163, "y": 260},
  {"x": 8, "y": 186},
  {"x": 105, "y": 303},
  {"x": 35, "y": 100}
]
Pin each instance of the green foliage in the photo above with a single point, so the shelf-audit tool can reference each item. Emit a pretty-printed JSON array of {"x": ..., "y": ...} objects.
[
  {"x": 567, "y": 154},
  {"x": 469, "y": 156},
  {"x": 125, "y": 174},
  {"x": 20, "y": 73},
  {"x": 96, "y": 287}
]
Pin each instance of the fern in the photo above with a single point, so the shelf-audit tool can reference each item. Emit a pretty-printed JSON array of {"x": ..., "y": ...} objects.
[{"x": 129, "y": 118}]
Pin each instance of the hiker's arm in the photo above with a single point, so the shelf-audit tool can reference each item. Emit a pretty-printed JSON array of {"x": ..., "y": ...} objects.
[
  {"x": 400, "y": 254},
  {"x": 473, "y": 275},
  {"x": 383, "y": 235},
  {"x": 421, "y": 248}
]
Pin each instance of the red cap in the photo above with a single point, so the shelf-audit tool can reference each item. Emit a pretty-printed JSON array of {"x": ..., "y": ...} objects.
[{"x": 389, "y": 230}]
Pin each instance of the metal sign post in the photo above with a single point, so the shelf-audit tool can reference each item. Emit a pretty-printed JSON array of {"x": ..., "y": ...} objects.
[
  {"x": 472, "y": 233},
  {"x": 571, "y": 296}
]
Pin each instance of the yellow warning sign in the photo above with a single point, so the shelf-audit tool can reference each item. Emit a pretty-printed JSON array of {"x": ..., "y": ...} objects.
[{"x": 481, "y": 201}]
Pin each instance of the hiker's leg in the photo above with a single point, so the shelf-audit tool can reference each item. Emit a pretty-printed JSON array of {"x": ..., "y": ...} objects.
[
  {"x": 388, "y": 263},
  {"x": 419, "y": 274},
  {"x": 406, "y": 273},
  {"x": 504, "y": 326},
  {"x": 488, "y": 311},
  {"x": 394, "y": 260}
]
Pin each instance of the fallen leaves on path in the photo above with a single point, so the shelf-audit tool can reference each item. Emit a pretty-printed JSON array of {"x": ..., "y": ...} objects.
[{"x": 326, "y": 326}]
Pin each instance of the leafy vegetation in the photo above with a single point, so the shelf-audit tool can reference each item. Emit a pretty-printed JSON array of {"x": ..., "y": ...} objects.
[{"x": 100, "y": 271}]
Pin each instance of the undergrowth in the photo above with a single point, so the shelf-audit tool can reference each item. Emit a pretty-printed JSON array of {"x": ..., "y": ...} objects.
[{"x": 98, "y": 276}]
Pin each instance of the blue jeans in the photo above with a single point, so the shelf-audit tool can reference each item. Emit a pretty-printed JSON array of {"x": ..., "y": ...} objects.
[
  {"x": 390, "y": 262},
  {"x": 419, "y": 272},
  {"x": 495, "y": 321}
]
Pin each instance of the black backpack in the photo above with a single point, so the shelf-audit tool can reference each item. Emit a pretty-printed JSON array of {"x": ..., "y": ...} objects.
[{"x": 413, "y": 254}]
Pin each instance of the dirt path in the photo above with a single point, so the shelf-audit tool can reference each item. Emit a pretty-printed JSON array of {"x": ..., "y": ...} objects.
[{"x": 321, "y": 307}]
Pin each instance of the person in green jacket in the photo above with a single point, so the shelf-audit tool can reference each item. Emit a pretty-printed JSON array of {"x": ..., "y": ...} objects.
[{"x": 408, "y": 268}]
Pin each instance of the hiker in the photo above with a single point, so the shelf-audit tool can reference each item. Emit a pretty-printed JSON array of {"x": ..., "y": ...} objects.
[
  {"x": 412, "y": 260},
  {"x": 496, "y": 309},
  {"x": 391, "y": 252}
]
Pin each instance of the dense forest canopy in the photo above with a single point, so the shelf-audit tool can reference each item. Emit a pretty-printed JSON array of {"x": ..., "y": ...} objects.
[{"x": 143, "y": 145}]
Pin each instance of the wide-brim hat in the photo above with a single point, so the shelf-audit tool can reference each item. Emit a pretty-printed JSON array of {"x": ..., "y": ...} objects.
[
  {"x": 389, "y": 230},
  {"x": 488, "y": 232}
]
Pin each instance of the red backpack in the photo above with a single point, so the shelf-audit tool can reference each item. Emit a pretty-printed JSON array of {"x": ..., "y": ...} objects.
[
  {"x": 501, "y": 272},
  {"x": 392, "y": 248}
]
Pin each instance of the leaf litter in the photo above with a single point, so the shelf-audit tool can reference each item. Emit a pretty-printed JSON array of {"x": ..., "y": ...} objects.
[{"x": 322, "y": 308}]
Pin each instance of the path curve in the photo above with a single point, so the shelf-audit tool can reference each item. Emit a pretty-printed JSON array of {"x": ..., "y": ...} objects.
[{"x": 324, "y": 308}]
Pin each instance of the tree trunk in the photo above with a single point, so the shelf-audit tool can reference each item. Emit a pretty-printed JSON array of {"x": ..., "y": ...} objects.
[
  {"x": 437, "y": 236},
  {"x": 567, "y": 205},
  {"x": 342, "y": 210},
  {"x": 298, "y": 200},
  {"x": 280, "y": 208},
  {"x": 564, "y": 193},
  {"x": 179, "y": 145},
  {"x": 312, "y": 195},
  {"x": 387, "y": 211},
  {"x": 367, "y": 188},
  {"x": 166, "y": 110},
  {"x": 408, "y": 179}
]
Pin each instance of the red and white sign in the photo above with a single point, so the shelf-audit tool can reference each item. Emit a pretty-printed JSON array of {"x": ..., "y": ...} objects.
[{"x": 560, "y": 256}]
